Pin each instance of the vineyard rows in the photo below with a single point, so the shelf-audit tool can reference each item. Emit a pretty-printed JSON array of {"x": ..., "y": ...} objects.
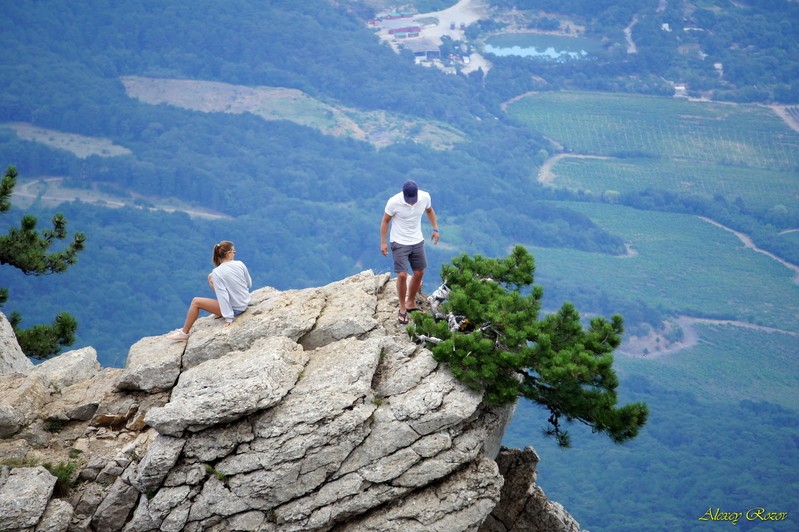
[
  {"x": 609, "y": 124},
  {"x": 705, "y": 148}
]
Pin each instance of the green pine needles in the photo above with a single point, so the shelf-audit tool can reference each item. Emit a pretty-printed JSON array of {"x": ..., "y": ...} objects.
[
  {"x": 493, "y": 341},
  {"x": 28, "y": 250}
]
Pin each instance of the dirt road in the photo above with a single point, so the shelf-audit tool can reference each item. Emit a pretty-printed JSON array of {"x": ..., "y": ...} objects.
[
  {"x": 650, "y": 347},
  {"x": 748, "y": 243},
  {"x": 464, "y": 12},
  {"x": 545, "y": 174}
]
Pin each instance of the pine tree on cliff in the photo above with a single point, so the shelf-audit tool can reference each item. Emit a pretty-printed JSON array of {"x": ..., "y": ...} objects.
[
  {"x": 27, "y": 250},
  {"x": 495, "y": 342}
]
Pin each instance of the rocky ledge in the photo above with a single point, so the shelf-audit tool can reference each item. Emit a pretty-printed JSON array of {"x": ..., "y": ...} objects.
[{"x": 314, "y": 411}]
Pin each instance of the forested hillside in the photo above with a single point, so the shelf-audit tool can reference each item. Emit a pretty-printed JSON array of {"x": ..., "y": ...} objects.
[{"x": 65, "y": 67}]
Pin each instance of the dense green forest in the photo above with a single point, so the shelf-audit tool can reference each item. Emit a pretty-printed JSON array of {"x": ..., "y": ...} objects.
[
  {"x": 716, "y": 450},
  {"x": 304, "y": 207}
]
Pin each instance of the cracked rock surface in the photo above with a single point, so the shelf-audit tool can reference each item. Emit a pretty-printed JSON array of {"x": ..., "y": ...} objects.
[{"x": 314, "y": 411}]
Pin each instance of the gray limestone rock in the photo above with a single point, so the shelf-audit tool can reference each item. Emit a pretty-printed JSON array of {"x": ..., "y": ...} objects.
[
  {"x": 24, "y": 496},
  {"x": 153, "y": 365},
  {"x": 22, "y": 397},
  {"x": 81, "y": 400},
  {"x": 68, "y": 368},
  {"x": 56, "y": 518},
  {"x": 113, "y": 511},
  {"x": 523, "y": 506},
  {"x": 224, "y": 389},
  {"x": 349, "y": 310},
  {"x": 12, "y": 359},
  {"x": 156, "y": 464},
  {"x": 460, "y": 502},
  {"x": 288, "y": 314},
  {"x": 314, "y": 411}
]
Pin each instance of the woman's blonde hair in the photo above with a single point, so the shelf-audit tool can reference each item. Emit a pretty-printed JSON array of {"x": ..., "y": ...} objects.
[{"x": 221, "y": 250}]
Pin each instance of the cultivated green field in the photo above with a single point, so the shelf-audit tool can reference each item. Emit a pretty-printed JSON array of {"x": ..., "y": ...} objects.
[
  {"x": 683, "y": 264},
  {"x": 730, "y": 364},
  {"x": 706, "y": 148},
  {"x": 758, "y": 188},
  {"x": 672, "y": 128}
]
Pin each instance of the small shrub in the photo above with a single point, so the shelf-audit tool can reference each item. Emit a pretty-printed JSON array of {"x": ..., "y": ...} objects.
[
  {"x": 54, "y": 425},
  {"x": 63, "y": 472},
  {"x": 213, "y": 471}
]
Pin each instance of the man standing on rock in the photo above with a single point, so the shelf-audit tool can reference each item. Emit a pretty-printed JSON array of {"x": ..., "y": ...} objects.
[{"x": 404, "y": 211}]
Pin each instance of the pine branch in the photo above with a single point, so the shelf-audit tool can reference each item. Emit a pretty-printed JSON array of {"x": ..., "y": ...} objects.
[
  {"x": 28, "y": 250},
  {"x": 556, "y": 362}
]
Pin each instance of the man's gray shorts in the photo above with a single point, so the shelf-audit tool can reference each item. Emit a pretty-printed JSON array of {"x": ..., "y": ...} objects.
[{"x": 405, "y": 256}]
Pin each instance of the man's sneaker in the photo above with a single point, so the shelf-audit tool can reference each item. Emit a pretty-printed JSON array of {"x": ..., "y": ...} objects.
[{"x": 178, "y": 335}]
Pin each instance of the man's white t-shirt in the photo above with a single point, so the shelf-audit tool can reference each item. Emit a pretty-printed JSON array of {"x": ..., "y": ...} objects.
[{"x": 406, "y": 219}]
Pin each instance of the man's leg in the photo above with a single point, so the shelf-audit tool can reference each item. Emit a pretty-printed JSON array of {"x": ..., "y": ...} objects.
[
  {"x": 400, "y": 255},
  {"x": 418, "y": 261},
  {"x": 413, "y": 289},
  {"x": 402, "y": 289}
]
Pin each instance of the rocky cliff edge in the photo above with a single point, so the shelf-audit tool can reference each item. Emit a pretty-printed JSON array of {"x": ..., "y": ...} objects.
[{"x": 314, "y": 411}]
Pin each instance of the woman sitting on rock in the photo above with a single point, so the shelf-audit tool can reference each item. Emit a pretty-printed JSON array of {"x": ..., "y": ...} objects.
[{"x": 231, "y": 283}]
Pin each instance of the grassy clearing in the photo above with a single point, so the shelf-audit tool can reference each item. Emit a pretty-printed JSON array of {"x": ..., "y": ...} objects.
[
  {"x": 305, "y": 111},
  {"x": 278, "y": 103},
  {"x": 682, "y": 264},
  {"x": 52, "y": 192},
  {"x": 80, "y": 145}
]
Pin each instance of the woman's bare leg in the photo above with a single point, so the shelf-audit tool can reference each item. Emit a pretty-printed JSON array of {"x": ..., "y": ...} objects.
[{"x": 197, "y": 304}]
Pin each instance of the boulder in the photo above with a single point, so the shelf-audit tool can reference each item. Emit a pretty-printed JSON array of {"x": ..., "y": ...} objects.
[
  {"x": 12, "y": 359},
  {"x": 24, "y": 495}
]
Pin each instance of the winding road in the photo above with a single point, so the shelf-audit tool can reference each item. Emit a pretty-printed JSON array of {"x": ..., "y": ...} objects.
[{"x": 747, "y": 242}]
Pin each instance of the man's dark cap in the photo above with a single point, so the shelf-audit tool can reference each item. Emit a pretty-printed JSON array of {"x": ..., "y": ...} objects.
[{"x": 410, "y": 191}]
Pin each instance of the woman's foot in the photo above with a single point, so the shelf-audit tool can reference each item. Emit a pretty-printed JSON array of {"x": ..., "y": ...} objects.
[
  {"x": 178, "y": 335},
  {"x": 402, "y": 317}
]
